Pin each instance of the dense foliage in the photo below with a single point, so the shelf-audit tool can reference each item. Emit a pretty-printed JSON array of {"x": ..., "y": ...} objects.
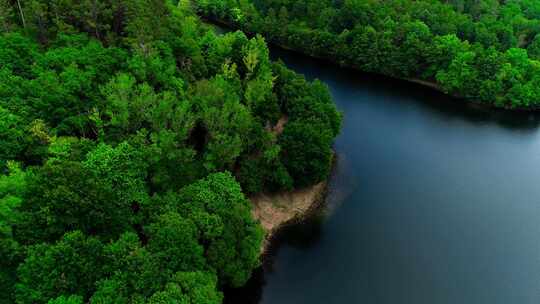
[
  {"x": 486, "y": 51},
  {"x": 130, "y": 135}
]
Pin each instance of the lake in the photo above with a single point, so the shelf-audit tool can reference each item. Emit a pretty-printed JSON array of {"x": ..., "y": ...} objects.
[{"x": 432, "y": 202}]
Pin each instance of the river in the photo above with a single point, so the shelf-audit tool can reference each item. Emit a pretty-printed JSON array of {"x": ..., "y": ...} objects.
[{"x": 431, "y": 202}]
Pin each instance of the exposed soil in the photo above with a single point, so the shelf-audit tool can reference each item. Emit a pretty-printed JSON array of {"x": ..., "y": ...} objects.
[
  {"x": 280, "y": 125},
  {"x": 279, "y": 209}
]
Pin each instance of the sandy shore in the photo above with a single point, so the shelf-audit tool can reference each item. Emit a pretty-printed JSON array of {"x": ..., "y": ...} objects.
[{"x": 279, "y": 209}]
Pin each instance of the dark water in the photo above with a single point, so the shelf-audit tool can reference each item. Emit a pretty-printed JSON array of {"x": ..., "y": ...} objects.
[{"x": 432, "y": 202}]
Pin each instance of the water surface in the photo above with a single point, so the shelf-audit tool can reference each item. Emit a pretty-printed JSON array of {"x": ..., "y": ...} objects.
[{"x": 432, "y": 202}]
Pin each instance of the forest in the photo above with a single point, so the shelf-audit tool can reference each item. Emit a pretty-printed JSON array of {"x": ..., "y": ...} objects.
[
  {"x": 482, "y": 51},
  {"x": 131, "y": 136}
]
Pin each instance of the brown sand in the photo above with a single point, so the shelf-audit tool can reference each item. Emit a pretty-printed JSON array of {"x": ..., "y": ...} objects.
[{"x": 279, "y": 209}]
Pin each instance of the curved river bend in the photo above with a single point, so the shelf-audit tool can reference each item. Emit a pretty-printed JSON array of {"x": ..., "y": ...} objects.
[{"x": 432, "y": 202}]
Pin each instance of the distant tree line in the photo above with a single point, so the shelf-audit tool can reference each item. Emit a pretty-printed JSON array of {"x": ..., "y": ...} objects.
[
  {"x": 483, "y": 50},
  {"x": 130, "y": 135}
]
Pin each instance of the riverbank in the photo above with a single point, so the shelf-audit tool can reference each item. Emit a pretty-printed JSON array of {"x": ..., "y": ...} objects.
[
  {"x": 425, "y": 83},
  {"x": 277, "y": 210}
]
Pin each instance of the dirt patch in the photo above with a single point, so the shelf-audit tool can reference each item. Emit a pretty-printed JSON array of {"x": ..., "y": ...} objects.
[
  {"x": 280, "y": 125},
  {"x": 279, "y": 209}
]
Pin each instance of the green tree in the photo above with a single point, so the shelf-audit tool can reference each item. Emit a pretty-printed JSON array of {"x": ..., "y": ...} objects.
[
  {"x": 534, "y": 48},
  {"x": 63, "y": 196},
  {"x": 12, "y": 187},
  {"x": 70, "y": 266},
  {"x": 12, "y": 137},
  {"x": 306, "y": 152},
  {"x": 173, "y": 240},
  {"x": 17, "y": 53},
  {"x": 461, "y": 75},
  {"x": 224, "y": 123},
  {"x": 189, "y": 287},
  {"x": 122, "y": 168},
  {"x": 67, "y": 300},
  {"x": 137, "y": 274},
  {"x": 233, "y": 239}
]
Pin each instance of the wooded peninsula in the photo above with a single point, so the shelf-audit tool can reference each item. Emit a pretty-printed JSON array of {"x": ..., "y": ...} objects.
[{"x": 130, "y": 136}]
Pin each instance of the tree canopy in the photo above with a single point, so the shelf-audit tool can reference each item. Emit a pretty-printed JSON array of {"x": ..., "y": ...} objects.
[
  {"x": 486, "y": 51},
  {"x": 131, "y": 135}
]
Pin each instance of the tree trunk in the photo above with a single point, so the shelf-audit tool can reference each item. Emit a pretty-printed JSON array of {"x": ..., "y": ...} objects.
[{"x": 21, "y": 12}]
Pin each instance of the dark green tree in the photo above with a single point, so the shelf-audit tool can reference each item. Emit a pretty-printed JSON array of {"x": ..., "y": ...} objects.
[{"x": 70, "y": 266}]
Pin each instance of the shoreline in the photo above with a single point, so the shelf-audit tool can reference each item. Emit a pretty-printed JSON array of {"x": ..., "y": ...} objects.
[
  {"x": 425, "y": 83},
  {"x": 277, "y": 210}
]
